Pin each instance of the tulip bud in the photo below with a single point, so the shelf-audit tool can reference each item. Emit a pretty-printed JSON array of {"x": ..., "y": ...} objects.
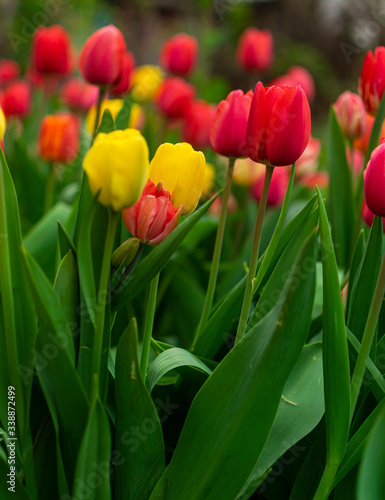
[
  {"x": 173, "y": 96},
  {"x": 116, "y": 165},
  {"x": 368, "y": 216},
  {"x": 278, "y": 129},
  {"x": 371, "y": 85},
  {"x": 351, "y": 114},
  {"x": 297, "y": 75},
  {"x": 153, "y": 217},
  {"x": 125, "y": 81},
  {"x": 59, "y": 138},
  {"x": 52, "y": 50},
  {"x": 278, "y": 187},
  {"x": 79, "y": 95},
  {"x": 9, "y": 71},
  {"x": 179, "y": 54},
  {"x": 16, "y": 99},
  {"x": 145, "y": 82},
  {"x": 102, "y": 57},
  {"x": 181, "y": 171},
  {"x": 196, "y": 124},
  {"x": 228, "y": 127},
  {"x": 255, "y": 50},
  {"x": 374, "y": 181}
]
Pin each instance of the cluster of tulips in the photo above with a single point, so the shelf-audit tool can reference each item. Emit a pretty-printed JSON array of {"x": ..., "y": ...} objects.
[{"x": 283, "y": 352}]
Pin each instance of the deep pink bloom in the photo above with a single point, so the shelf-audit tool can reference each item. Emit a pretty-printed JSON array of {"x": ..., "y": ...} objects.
[
  {"x": 278, "y": 187},
  {"x": 125, "y": 82},
  {"x": 16, "y": 99},
  {"x": 368, "y": 216},
  {"x": 228, "y": 128},
  {"x": 351, "y": 114},
  {"x": 197, "y": 123},
  {"x": 79, "y": 95},
  {"x": 52, "y": 51},
  {"x": 153, "y": 217},
  {"x": 255, "y": 50},
  {"x": 174, "y": 96},
  {"x": 371, "y": 84},
  {"x": 102, "y": 57},
  {"x": 279, "y": 125},
  {"x": 374, "y": 180},
  {"x": 179, "y": 54},
  {"x": 9, "y": 71}
]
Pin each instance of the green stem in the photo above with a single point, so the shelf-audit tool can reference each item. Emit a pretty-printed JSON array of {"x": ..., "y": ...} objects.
[
  {"x": 101, "y": 96},
  {"x": 367, "y": 339},
  {"x": 50, "y": 188},
  {"x": 326, "y": 482},
  {"x": 217, "y": 249},
  {"x": 254, "y": 255},
  {"x": 150, "y": 314},
  {"x": 103, "y": 295}
]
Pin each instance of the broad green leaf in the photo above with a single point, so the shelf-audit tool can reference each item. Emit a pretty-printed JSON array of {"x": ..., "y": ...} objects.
[
  {"x": 92, "y": 474},
  {"x": 169, "y": 360},
  {"x": 41, "y": 240},
  {"x": 227, "y": 426},
  {"x": 341, "y": 209},
  {"x": 139, "y": 443},
  {"x": 365, "y": 281},
  {"x": 371, "y": 478},
  {"x": 18, "y": 491},
  {"x": 151, "y": 265},
  {"x": 335, "y": 351},
  {"x": 354, "y": 266},
  {"x": 300, "y": 410}
]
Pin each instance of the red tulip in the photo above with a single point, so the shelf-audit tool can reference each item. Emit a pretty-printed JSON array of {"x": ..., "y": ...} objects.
[
  {"x": 255, "y": 51},
  {"x": 228, "y": 128},
  {"x": 374, "y": 181},
  {"x": 125, "y": 82},
  {"x": 153, "y": 217},
  {"x": 371, "y": 84},
  {"x": 9, "y": 71},
  {"x": 79, "y": 95},
  {"x": 278, "y": 187},
  {"x": 351, "y": 114},
  {"x": 173, "y": 96},
  {"x": 197, "y": 123},
  {"x": 59, "y": 138},
  {"x": 52, "y": 50},
  {"x": 368, "y": 216},
  {"x": 297, "y": 75},
  {"x": 16, "y": 99},
  {"x": 102, "y": 57},
  {"x": 278, "y": 130},
  {"x": 179, "y": 54}
]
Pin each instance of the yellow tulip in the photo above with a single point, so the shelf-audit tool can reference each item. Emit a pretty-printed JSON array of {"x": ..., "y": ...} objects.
[
  {"x": 145, "y": 82},
  {"x": 182, "y": 172},
  {"x": 116, "y": 165},
  {"x": 2, "y": 124}
]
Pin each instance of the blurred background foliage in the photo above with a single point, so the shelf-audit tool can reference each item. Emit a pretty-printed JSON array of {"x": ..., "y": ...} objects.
[{"x": 328, "y": 37}]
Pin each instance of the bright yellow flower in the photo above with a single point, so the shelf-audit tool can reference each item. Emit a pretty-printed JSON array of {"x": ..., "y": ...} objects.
[
  {"x": 182, "y": 172},
  {"x": 145, "y": 82},
  {"x": 209, "y": 180},
  {"x": 116, "y": 165},
  {"x": 2, "y": 124}
]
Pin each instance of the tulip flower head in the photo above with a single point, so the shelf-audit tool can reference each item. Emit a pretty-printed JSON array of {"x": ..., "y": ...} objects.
[
  {"x": 197, "y": 123},
  {"x": 145, "y": 82},
  {"x": 52, "y": 52},
  {"x": 124, "y": 84},
  {"x": 351, "y": 114},
  {"x": 374, "y": 181},
  {"x": 174, "y": 96},
  {"x": 181, "y": 170},
  {"x": 9, "y": 71},
  {"x": 59, "y": 138},
  {"x": 15, "y": 100},
  {"x": 228, "y": 127},
  {"x": 153, "y": 217},
  {"x": 371, "y": 84},
  {"x": 278, "y": 129},
  {"x": 79, "y": 95},
  {"x": 116, "y": 166},
  {"x": 179, "y": 54},
  {"x": 255, "y": 50},
  {"x": 102, "y": 57}
]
